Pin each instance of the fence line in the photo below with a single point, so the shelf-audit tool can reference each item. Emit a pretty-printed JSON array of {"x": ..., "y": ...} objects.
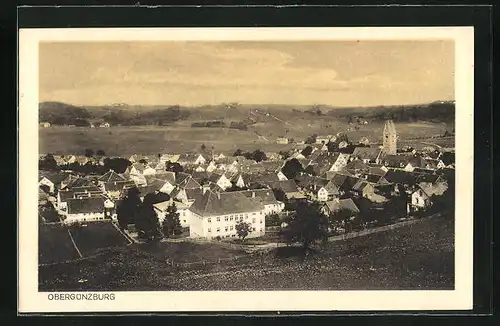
[{"x": 351, "y": 235}]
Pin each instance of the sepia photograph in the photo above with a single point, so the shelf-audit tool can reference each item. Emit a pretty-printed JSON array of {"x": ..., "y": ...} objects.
[{"x": 248, "y": 164}]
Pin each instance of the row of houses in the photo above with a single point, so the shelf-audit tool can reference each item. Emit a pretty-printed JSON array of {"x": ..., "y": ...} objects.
[{"x": 210, "y": 206}]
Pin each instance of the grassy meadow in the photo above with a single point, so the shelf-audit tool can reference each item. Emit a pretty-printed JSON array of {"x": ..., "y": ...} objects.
[
  {"x": 181, "y": 137},
  {"x": 413, "y": 257}
]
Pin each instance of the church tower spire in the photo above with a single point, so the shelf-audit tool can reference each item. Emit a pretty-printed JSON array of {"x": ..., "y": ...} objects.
[{"x": 389, "y": 138}]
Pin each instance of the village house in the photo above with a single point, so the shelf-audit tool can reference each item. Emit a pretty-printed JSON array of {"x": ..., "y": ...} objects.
[
  {"x": 191, "y": 158},
  {"x": 221, "y": 180},
  {"x": 282, "y": 140},
  {"x": 322, "y": 139},
  {"x": 432, "y": 184},
  {"x": 419, "y": 200},
  {"x": 172, "y": 158},
  {"x": 211, "y": 166},
  {"x": 356, "y": 167},
  {"x": 267, "y": 199},
  {"x": 347, "y": 205},
  {"x": 364, "y": 141},
  {"x": 367, "y": 154},
  {"x": 64, "y": 195},
  {"x": 44, "y": 181},
  {"x": 215, "y": 214},
  {"x": 340, "y": 160},
  {"x": 182, "y": 209},
  {"x": 238, "y": 180},
  {"x": 86, "y": 209},
  {"x": 105, "y": 125},
  {"x": 44, "y": 124},
  {"x": 289, "y": 187}
]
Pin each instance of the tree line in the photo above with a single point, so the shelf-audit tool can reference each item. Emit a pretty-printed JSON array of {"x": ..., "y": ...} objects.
[{"x": 65, "y": 114}]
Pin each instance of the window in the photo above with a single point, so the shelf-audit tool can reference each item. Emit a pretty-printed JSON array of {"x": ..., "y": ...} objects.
[
  {"x": 226, "y": 218},
  {"x": 218, "y": 219},
  {"x": 209, "y": 220},
  {"x": 231, "y": 218},
  {"x": 246, "y": 215},
  {"x": 231, "y": 228},
  {"x": 253, "y": 220},
  {"x": 253, "y": 229},
  {"x": 209, "y": 230},
  {"x": 241, "y": 215},
  {"x": 261, "y": 230},
  {"x": 218, "y": 229},
  {"x": 252, "y": 214},
  {"x": 183, "y": 213},
  {"x": 260, "y": 221}
]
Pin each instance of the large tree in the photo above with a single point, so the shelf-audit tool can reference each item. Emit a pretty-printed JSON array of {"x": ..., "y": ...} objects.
[
  {"x": 128, "y": 208},
  {"x": 174, "y": 167},
  {"x": 291, "y": 168},
  {"x": 307, "y": 225},
  {"x": 89, "y": 152},
  {"x": 146, "y": 220},
  {"x": 171, "y": 224},
  {"x": 242, "y": 229}
]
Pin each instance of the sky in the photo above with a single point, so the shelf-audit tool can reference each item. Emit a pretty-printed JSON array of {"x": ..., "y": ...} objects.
[{"x": 340, "y": 73}]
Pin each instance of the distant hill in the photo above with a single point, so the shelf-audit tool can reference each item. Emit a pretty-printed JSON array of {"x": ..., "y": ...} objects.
[{"x": 58, "y": 113}]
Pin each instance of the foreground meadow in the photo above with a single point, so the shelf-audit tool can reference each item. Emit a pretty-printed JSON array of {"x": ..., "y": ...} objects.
[{"x": 418, "y": 256}]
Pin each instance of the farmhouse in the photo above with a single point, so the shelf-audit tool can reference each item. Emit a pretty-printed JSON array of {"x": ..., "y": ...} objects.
[
  {"x": 182, "y": 210},
  {"x": 267, "y": 199},
  {"x": 191, "y": 158},
  {"x": 215, "y": 214},
  {"x": 221, "y": 180},
  {"x": 347, "y": 205},
  {"x": 289, "y": 187},
  {"x": 172, "y": 158},
  {"x": 88, "y": 209},
  {"x": 282, "y": 140},
  {"x": 367, "y": 154},
  {"x": 322, "y": 139},
  {"x": 420, "y": 200}
]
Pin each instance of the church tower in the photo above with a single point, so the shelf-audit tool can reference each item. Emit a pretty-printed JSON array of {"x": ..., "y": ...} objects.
[{"x": 389, "y": 138}]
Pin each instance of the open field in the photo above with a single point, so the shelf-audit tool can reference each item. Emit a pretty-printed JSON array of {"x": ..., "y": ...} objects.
[
  {"x": 54, "y": 244},
  {"x": 418, "y": 256},
  {"x": 95, "y": 236},
  {"x": 181, "y": 137}
]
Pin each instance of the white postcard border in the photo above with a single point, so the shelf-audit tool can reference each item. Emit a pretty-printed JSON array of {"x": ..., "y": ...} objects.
[{"x": 30, "y": 300}]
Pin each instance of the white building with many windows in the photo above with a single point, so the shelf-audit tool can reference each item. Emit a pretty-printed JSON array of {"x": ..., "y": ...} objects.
[{"x": 215, "y": 214}]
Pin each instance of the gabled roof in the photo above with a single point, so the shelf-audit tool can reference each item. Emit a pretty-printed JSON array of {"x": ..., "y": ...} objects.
[
  {"x": 288, "y": 186},
  {"x": 216, "y": 204},
  {"x": 339, "y": 179},
  {"x": 162, "y": 206},
  {"x": 265, "y": 196},
  {"x": 448, "y": 158},
  {"x": 338, "y": 204},
  {"x": 428, "y": 178},
  {"x": 111, "y": 176},
  {"x": 376, "y": 171},
  {"x": 186, "y": 181},
  {"x": 189, "y": 157},
  {"x": 401, "y": 177},
  {"x": 55, "y": 177},
  {"x": 356, "y": 165},
  {"x": 119, "y": 185},
  {"x": 367, "y": 153},
  {"x": 332, "y": 188},
  {"x": 138, "y": 166},
  {"x": 86, "y": 205},
  {"x": 79, "y": 182}
]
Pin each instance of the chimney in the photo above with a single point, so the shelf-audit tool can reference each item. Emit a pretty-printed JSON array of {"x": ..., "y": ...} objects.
[{"x": 205, "y": 188}]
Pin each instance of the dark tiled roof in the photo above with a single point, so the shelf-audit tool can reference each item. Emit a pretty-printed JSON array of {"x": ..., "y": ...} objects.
[
  {"x": 216, "y": 204},
  {"x": 401, "y": 177},
  {"x": 356, "y": 165},
  {"x": 265, "y": 196},
  {"x": 111, "y": 176},
  {"x": 366, "y": 153},
  {"x": 288, "y": 186},
  {"x": 86, "y": 205},
  {"x": 448, "y": 158}
]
